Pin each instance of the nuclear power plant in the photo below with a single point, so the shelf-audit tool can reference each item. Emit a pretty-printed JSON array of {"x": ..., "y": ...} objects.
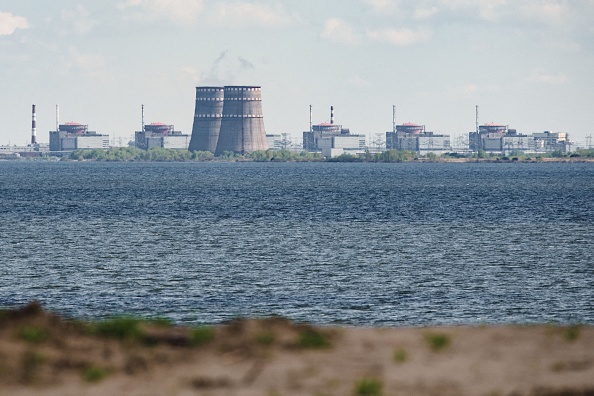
[{"x": 228, "y": 119}]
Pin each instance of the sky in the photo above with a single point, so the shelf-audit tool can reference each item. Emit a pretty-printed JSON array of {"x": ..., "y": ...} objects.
[{"x": 528, "y": 64}]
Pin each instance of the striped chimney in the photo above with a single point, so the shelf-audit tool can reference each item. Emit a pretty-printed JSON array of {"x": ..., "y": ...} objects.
[
  {"x": 33, "y": 126},
  {"x": 331, "y": 114}
]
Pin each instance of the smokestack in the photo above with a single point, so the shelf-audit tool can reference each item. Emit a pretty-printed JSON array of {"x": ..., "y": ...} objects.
[
  {"x": 476, "y": 120},
  {"x": 57, "y": 118},
  {"x": 33, "y": 126},
  {"x": 142, "y": 107},
  {"x": 331, "y": 114},
  {"x": 393, "y": 118},
  {"x": 310, "y": 123}
]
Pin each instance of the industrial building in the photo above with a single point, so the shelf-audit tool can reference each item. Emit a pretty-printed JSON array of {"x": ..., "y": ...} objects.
[
  {"x": 413, "y": 137},
  {"x": 497, "y": 138},
  {"x": 160, "y": 135},
  {"x": 228, "y": 119},
  {"x": 332, "y": 139},
  {"x": 74, "y": 136},
  {"x": 275, "y": 142}
]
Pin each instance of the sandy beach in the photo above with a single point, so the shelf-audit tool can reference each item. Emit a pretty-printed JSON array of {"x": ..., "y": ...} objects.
[{"x": 42, "y": 354}]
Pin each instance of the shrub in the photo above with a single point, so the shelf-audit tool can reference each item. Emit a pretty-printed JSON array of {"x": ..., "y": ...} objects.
[
  {"x": 121, "y": 327},
  {"x": 95, "y": 373},
  {"x": 265, "y": 338},
  {"x": 572, "y": 333},
  {"x": 437, "y": 341},
  {"x": 368, "y": 387},
  {"x": 201, "y": 335},
  {"x": 400, "y": 356},
  {"x": 33, "y": 334},
  {"x": 311, "y": 338}
]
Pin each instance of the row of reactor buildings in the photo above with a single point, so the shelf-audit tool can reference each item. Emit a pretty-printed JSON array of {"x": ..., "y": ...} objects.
[{"x": 230, "y": 119}]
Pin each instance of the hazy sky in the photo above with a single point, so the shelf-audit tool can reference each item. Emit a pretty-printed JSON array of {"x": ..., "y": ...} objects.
[{"x": 527, "y": 63}]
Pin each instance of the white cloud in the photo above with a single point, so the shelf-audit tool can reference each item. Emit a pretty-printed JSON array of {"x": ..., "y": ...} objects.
[
  {"x": 490, "y": 9},
  {"x": 425, "y": 12},
  {"x": 359, "y": 82},
  {"x": 88, "y": 64},
  {"x": 399, "y": 37},
  {"x": 180, "y": 11},
  {"x": 80, "y": 18},
  {"x": 339, "y": 31},
  {"x": 244, "y": 14},
  {"x": 540, "y": 75},
  {"x": 382, "y": 6},
  {"x": 548, "y": 12},
  {"x": 9, "y": 23}
]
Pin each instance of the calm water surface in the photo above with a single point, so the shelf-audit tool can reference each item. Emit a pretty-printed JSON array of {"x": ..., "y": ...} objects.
[{"x": 360, "y": 244}]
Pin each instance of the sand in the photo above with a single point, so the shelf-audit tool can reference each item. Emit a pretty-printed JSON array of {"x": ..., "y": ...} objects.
[{"x": 42, "y": 354}]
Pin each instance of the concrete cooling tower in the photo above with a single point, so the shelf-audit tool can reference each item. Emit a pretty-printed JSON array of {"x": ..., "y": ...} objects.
[
  {"x": 207, "y": 119},
  {"x": 242, "y": 127}
]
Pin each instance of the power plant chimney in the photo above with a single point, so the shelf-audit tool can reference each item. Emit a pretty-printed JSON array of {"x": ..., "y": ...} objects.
[
  {"x": 331, "y": 114},
  {"x": 142, "y": 109},
  {"x": 57, "y": 118},
  {"x": 393, "y": 118},
  {"x": 476, "y": 120},
  {"x": 310, "y": 123},
  {"x": 33, "y": 126}
]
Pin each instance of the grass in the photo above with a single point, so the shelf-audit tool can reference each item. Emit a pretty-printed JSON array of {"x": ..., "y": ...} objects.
[
  {"x": 123, "y": 327},
  {"x": 30, "y": 363},
  {"x": 400, "y": 356},
  {"x": 201, "y": 335},
  {"x": 95, "y": 373},
  {"x": 368, "y": 387},
  {"x": 437, "y": 341},
  {"x": 265, "y": 338},
  {"x": 33, "y": 334},
  {"x": 312, "y": 339},
  {"x": 572, "y": 333}
]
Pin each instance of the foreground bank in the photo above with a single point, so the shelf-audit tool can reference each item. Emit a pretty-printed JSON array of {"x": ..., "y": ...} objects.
[{"x": 42, "y": 354}]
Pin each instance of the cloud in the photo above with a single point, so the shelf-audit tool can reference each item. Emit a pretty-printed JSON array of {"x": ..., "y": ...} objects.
[
  {"x": 382, "y": 6},
  {"x": 339, "y": 31},
  {"x": 88, "y": 64},
  {"x": 425, "y": 12},
  {"x": 548, "y": 12},
  {"x": 9, "y": 23},
  {"x": 540, "y": 75},
  {"x": 80, "y": 19},
  {"x": 399, "y": 37},
  {"x": 490, "y": 9},
  {"x": 245, "y": 14},
  {"x": 179, "y": 11},
  {"x": 359, "y": 82}
]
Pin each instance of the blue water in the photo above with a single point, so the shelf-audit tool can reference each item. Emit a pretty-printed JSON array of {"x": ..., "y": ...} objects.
[{"x": 357, "y": 244}]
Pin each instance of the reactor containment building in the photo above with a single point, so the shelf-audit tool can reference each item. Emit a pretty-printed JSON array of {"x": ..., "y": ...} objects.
[{"x": 228, "y": 119}]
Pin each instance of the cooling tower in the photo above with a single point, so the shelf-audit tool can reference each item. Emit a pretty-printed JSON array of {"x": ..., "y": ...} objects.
[
  {"x": 207, "y": 119},
  {"x": 242, "y": 126}
]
